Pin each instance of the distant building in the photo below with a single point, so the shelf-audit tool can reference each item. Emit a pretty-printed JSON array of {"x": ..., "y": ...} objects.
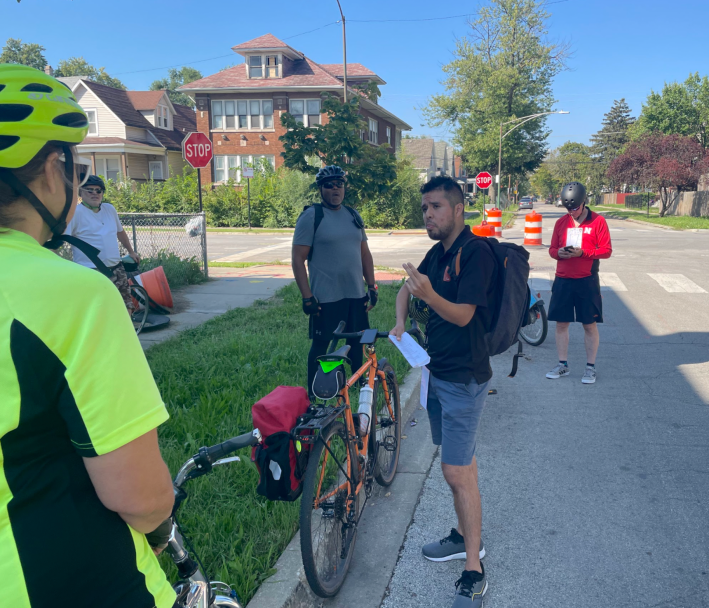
[{"x": 240, "y": 108}]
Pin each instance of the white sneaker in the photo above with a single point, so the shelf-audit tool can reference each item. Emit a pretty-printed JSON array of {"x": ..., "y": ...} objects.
[
  {"x": 559, "y": 371},
  {"x": 589, "y": 376}
]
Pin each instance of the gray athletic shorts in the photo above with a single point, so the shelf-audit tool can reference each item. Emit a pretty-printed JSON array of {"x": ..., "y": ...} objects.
[{"x": 454, "y": 410}]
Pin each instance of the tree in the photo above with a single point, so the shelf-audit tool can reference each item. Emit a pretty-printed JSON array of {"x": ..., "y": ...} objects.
[
  {"x": 78, "y": 66},
  {"x": 668, "y": 163},
  {"x": 609, "y": 142},
  {"x": 570, "y": 163},
  {"x": 175, "y": 79},
  {"x": 503, "y": 69},
  {"x": 15, "y": 51},
  {"x": 544, "y": 182},
  {"x": 371, "y": 170},
  {"x": 682, "y": 108}
]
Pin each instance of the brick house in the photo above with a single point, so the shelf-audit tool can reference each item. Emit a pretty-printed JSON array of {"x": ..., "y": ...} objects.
[
  {"x": 132, "y": 134},
  {"x": 240, "y": 108}
]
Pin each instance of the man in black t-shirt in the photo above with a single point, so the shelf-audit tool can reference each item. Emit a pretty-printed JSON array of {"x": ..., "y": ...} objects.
[{"x": 461, "y": 312}]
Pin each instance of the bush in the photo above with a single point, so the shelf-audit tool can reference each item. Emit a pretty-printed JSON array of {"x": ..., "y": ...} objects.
[{"x": 178, "y": 272}]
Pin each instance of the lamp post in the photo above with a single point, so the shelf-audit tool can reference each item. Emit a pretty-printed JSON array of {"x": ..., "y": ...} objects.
[
  {"x": 344, "y": 50},
  {"x": 520, "y": 121}
]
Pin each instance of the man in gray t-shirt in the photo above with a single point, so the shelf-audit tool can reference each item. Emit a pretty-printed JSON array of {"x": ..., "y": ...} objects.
[{"x": 331, "y": 237}]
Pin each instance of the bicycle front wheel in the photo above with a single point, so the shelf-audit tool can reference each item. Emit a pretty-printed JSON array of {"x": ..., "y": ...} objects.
[
  {"x": 386, "y": 438},
  {"x": 327, "y": 528},
  {"x": 142, "y": 302},
  {"x": 535, "y": 333}
]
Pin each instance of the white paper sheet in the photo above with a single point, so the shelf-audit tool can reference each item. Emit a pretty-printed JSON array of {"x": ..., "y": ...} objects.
[
  {"x": 573, "y": 237},
  {"x": 413, "y": 353},
  {"x": 425, "y": 376}
]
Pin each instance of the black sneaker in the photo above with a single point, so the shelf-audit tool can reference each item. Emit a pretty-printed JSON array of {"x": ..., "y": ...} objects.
[
  {"x": 448, "y": 548},
  {"x": 469, "y": 589}
]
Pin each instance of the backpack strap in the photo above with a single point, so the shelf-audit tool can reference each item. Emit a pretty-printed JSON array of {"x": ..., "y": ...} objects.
[
  {"x": 460, "y": 253},
  {"x": 515, "y": 359},
  {"x": 88, "y": 250},
  {"x": 319, "y": 215}
]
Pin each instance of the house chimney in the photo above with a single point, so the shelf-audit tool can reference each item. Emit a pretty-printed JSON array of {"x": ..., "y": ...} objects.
[{"x": 48, "y": 70}]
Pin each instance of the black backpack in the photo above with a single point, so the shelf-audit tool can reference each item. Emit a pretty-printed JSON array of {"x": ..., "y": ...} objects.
[
  {"x": 513, "y": 300},
  {"x": 320, "y": 214}
]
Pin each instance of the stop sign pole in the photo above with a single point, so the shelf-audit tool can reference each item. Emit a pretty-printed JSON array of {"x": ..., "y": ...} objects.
[
  {"x": 483, "y": 181},
  {"x": 197, "y": 151}
]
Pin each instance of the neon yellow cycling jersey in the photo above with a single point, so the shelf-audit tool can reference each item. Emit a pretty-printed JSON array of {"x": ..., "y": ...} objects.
[{"x": 74, "y": 383}]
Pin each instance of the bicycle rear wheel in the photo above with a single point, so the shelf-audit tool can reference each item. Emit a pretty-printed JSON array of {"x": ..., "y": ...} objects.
[
  {"x": 386, "y": 439},
  {"x": 535, "y": 333},
  {"x": 140, "y": 314},
  {"x": 327, "y": 536}
]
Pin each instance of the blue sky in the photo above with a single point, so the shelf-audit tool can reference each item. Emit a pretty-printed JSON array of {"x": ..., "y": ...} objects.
[{"x": 622, "y": 48}]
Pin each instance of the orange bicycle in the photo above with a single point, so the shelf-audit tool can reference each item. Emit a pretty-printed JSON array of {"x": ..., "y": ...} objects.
[{"x": 348, "y": 452}]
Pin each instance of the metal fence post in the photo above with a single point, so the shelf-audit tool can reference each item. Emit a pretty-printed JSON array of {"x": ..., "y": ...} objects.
[
  {"x": 204, "y": 245},
  {"x": 135, "y": 239}
]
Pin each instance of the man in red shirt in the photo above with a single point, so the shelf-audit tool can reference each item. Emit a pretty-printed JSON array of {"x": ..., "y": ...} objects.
[{"x": 580, "y": 240}]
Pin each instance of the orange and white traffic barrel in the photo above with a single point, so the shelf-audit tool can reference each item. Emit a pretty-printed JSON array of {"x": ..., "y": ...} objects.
[
  {"x": 494, "y": 218},
  {"x": 533, "y": 229}
]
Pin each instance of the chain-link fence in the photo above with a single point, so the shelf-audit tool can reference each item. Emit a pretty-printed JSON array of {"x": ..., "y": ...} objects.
[{"x": 175, "y": 241}]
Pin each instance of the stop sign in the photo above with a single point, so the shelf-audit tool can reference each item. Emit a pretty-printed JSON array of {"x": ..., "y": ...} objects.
[
  {"x": 483, "y": 180},
  {"x": 197, "y": 150}
]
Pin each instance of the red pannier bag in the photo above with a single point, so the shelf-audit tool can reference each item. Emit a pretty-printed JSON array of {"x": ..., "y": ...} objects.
[{"x": 280, "y": 463}]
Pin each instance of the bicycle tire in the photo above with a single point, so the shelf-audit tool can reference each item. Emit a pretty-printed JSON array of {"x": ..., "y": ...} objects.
[
  {"x": 140, "y": 316},
  {"x": 321, "y": 550},
  {"x": 385, "y": 474},
  {"x": 535, "y": 339}
]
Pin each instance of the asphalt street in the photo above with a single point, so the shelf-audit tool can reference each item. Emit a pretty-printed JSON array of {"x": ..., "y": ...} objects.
[{"x": 593, "y": 495}]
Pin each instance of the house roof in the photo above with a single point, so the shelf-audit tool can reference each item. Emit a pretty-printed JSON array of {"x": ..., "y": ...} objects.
[
  {"x": 354, "y": 70},
  {"x": 304, "y": 73},
  {"x": 121, "y": 103},
  {"x": 421, "y": 150},
  {"x": 71, "y": 81},
  {"x": 268, "y": 42},
  {"x": 110, "y": 141},
  {"x": 145, "y": 100}
]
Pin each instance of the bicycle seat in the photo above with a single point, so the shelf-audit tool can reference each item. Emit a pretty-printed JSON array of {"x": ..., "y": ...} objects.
[{"x": 340, "y": 354}]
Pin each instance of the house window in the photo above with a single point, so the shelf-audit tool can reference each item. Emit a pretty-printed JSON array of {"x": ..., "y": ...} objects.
[
  {"x": 389, "y": 135},
  {"x": 272, "y": 66},
  {"x": 373, "y": 131},
  {"x": 155, "y": 168},
  {"x": 255, "y": 67},
  {"x": 254, "y": 114},
  {"x": 110, "y": 168},
  {"x": 229, "y": 167},
  {"x": 306, "y": 111},
  {"x": 163, "y": 117},
  {"x": 93, "y": 122}
]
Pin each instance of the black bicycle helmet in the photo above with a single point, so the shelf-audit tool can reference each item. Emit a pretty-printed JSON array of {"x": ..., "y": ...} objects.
[
  {"x": 573, "y": 195},
  {"x": 95, "y": 180},
  {"x": 328, "y": 173}
]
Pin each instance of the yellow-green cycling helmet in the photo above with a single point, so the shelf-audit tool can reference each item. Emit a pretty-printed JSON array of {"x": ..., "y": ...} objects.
[{"x": 34, "y": 109}]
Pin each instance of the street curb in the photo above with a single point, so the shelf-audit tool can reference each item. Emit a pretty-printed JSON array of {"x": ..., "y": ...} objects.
[{"x": 288, "y": 587}]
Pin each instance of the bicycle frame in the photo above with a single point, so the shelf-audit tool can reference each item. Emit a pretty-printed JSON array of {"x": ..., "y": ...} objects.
[{"x": 354, "y": 483}]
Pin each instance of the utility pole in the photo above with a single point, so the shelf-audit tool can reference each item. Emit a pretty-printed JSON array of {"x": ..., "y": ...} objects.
[{"x": 344, "y": 49}]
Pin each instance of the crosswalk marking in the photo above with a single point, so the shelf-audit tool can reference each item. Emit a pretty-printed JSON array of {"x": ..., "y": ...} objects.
[
  {"x": 611, "y": 282},
  {"x": 676, "y": 283}
]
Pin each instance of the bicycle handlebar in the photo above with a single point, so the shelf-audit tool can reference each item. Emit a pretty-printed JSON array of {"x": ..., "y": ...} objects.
[
  {"x": 232, "y": 445},
  {"x": 339, "y": 335}
]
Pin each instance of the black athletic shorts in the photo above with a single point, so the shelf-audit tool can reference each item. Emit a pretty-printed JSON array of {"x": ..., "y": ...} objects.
[
  {"x": 579, "y": 296},
  {"x": 351, "y": 311}
]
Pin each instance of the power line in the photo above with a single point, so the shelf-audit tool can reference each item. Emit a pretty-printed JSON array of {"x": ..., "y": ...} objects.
[{"x": 322, "y": 27}]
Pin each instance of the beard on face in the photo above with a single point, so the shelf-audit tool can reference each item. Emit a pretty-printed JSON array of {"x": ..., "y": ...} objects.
[{"x": 440, "y": 233}]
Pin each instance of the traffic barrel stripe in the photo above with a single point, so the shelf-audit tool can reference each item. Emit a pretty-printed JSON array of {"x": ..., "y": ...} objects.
[{"x": 533, "y": 229}]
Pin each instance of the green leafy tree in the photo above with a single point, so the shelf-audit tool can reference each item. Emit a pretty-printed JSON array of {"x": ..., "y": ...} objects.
[
  {"x": 16, "y": 51},
  {"x": 571, "y": 163},
  {"x": 175, "y": 79},
  {"x": 371, "y": 170},
  {"x": 78, "y": 66},
  {"x": 503, "y": 69},
  {"x": 544, "y": 182},
  {"x": 610, "y": 141},
  {"x": 682, "y": 108}
]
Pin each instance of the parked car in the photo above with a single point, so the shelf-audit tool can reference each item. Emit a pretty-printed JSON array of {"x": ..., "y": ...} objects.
[{"x": 526, "y": 203}]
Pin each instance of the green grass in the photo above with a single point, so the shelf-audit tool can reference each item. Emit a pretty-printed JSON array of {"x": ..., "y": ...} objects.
[
  {"x": 245, "y": 264},
  {"x": 476, "y": 220},
  {"x": 209, "y": 377},
  {"x": 179, "y": 272},
  {"x": 678, "y": 222}
]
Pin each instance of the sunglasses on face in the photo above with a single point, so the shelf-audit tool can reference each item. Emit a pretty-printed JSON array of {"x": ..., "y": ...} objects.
[
  {"x": 335, "y": 184},
  {"x": 575, "y": 209},
  {"x": 93, "y": 190}
]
